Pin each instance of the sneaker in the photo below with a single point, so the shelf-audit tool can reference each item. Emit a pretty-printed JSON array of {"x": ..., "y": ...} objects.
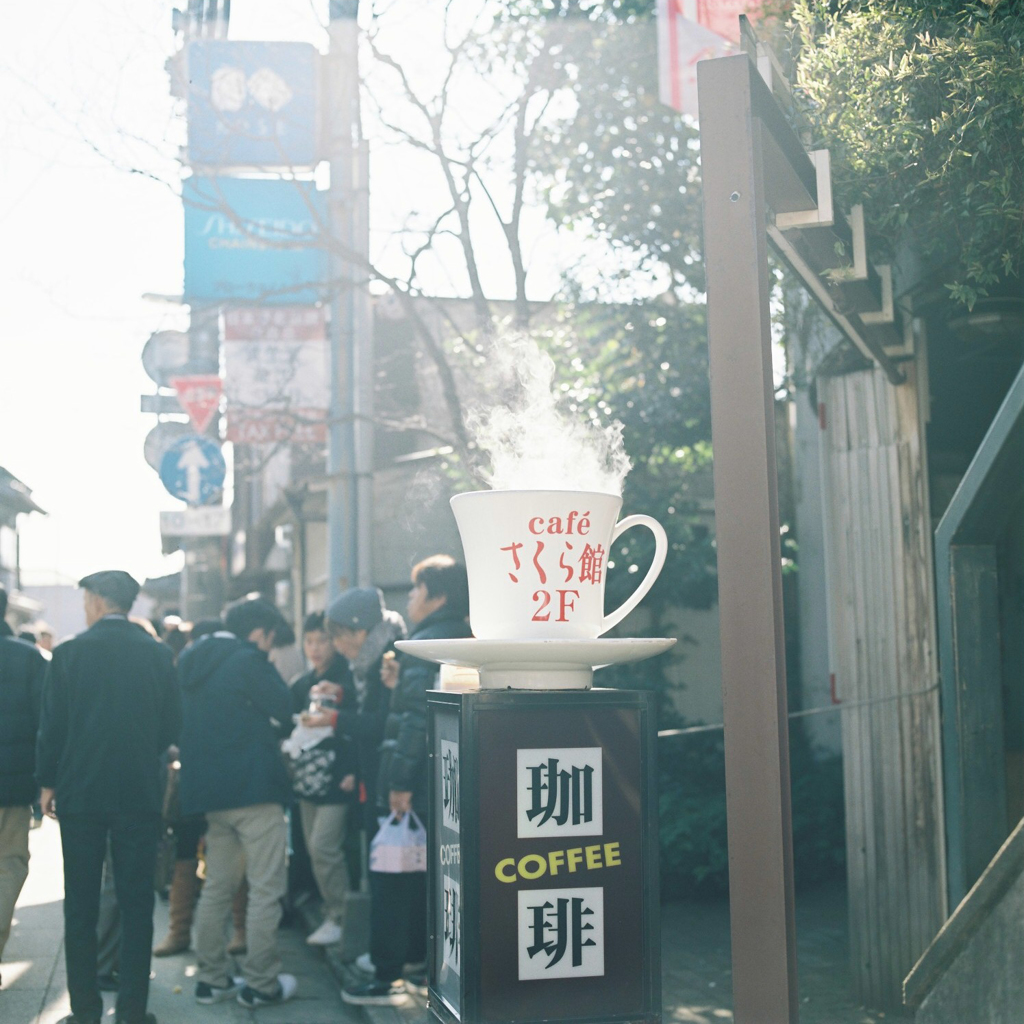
[
  {"x": 376, "y": 993},
  {"x": 209, "y": 994},
  {"x": 253, "y": 1000},
  {"x": 417, "y": 983},
  {"x": 326, "y": 935},
  {"x": 365, "y": 964}
]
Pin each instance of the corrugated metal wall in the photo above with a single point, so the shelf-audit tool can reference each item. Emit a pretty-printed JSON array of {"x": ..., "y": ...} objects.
[{"x": 882, "y": 643}]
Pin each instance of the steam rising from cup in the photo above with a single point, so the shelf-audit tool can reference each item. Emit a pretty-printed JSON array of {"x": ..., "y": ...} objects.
[{"x": 533, "y": 445}]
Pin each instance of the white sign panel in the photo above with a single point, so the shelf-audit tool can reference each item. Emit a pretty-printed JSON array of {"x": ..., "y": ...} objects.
[
  {"x": 205, "y": 521},
  {"x": 450, "y": 785},
  {"x": 559, "y": 792},
  {"x": 561, "y": 933},
  {"x": 452, "y": 935}
]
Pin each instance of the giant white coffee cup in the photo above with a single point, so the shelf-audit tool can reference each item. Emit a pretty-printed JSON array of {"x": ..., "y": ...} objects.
[{"x": 537, "y": 562}]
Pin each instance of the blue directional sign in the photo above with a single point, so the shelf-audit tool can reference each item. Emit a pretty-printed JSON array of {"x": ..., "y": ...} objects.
[
  {"x": 251, "y": 104},
  {"x": 193, "y": 469},
  {"x": 254, "y": 240}
]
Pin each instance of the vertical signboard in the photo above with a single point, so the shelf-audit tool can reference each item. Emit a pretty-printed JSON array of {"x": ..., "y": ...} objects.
[
  {"x": 251, "y": 104},
  {"x": 446, "y": 909},
  {"x": 276, "y": 374},
  {"x": 557, "y": 858},
  {"x": 254, "y": 240}
]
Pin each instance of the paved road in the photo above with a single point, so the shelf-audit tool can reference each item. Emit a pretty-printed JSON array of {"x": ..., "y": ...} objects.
[{"x": 35, "y": 989}]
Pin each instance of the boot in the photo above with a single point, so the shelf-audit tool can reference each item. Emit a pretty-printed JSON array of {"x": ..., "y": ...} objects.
[
  {"x": 237, "y": 946},
  {"x": 184, "y": 890}
]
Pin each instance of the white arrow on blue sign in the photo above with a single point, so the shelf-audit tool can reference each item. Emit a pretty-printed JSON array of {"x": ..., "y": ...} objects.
[{"x": 193, "y": 469}]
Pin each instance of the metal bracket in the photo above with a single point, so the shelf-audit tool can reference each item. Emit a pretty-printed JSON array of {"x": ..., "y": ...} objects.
[{"x": 821, "y": 216}]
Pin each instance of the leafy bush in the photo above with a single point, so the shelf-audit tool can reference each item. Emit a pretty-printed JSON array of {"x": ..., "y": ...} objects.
[
  {"x": 921, "y": 104},
  {"x": 694, "y": 851}
]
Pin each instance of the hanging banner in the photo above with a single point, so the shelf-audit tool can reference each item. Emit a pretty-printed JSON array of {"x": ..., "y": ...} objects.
[
  {"x": 690, "y": 31},
  {"x": 251, "y": 104},
  {"x": 253, "y": 239},
  {"x": 276, "y": 375}
]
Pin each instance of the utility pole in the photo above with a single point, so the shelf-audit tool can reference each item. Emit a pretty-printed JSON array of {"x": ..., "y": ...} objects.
[{"x": 350, "y": 440}]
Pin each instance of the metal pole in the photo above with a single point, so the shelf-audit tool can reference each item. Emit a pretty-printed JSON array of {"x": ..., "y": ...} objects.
[
  {"x": 749, "y": 560},
  {"x": 342, "y": 100}
]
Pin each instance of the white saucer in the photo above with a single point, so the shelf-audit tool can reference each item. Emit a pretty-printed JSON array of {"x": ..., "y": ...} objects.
[{"x": 537, "y": 664}]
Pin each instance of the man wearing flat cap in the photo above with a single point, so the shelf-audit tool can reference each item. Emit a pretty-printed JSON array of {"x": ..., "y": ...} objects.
[{"x": 111, "y": 708}]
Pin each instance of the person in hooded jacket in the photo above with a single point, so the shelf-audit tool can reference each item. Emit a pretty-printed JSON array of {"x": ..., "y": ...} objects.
[
  {"x": 437, "y": 608},
  {"x": 22, "y": 670},
  {"x": 236, "y": 709}
]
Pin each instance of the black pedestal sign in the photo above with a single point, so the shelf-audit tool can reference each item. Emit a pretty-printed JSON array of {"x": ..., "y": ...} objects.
[{"x": 543, "y": 857}]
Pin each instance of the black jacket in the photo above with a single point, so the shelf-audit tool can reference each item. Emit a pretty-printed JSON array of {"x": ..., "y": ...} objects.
[
  {"x": 236, "y": 709},
  {"x": 110, "y": 710},
  {"x": 403, "y": 765},
  {"x": 365, "y": 725},
  {"x": 22, "y": 671}
]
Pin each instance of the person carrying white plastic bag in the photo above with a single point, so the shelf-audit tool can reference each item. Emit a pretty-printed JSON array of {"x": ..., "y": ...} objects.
[{"x": 400, "y": 845}]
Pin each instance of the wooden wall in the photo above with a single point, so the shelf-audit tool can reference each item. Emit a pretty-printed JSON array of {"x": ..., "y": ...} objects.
[{"x": 882, "y": 646}]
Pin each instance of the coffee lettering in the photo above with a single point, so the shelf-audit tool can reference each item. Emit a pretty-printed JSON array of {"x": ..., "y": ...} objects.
[
  {"x": 537, "y": 524},
  {"x": 584, "y": 525},
  {"x": 555, "y": 525},
  {"x": 532, "y": 866},
  {"x": 545, "y": 597}
]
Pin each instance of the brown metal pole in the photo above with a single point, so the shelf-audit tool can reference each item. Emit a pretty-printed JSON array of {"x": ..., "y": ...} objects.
[{"x": 749, "y": 561}]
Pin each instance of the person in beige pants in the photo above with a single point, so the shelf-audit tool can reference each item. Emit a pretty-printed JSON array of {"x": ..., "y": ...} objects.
[
  {"x": 236, "y": 708},
  {"x": 22, "y": 671}
]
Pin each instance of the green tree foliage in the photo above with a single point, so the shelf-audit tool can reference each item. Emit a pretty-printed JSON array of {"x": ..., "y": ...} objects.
[{"x": 922, "y": 105}]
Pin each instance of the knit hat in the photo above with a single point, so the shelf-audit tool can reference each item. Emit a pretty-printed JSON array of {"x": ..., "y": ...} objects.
[
  {"x": 358, "y": 608},
  {"x": 114, "y": 586}
]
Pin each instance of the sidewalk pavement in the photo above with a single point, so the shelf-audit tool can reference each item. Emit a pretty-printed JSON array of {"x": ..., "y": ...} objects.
[
  {"x": 34, "y": 987},
  {"x": 696, "y": 975},
  {"x": 697, "y": 969}
]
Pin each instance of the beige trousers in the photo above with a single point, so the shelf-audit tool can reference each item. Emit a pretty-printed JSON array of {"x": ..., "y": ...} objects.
[
  {"x": 249, "y": 841},
  {"x": 323, "y": 826},
  {"x": 14, "y": 826}
]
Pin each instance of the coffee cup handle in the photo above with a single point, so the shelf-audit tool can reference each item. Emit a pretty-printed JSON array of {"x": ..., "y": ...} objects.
[{"x": 660, "y": 553}]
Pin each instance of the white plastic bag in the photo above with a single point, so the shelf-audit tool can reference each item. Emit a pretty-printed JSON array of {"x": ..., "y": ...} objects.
[{"x": 399, "y": 846}]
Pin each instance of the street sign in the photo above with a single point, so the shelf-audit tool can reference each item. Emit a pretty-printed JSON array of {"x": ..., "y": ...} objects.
[
  {"x": 254, "y": 240},
  {"x": 276, "y": 369},
  {"x": 251, "y": 104},
  {"x": 193, "y": 469},
  {"x": 161, "y": 405},
  {"x": 199, "y": 397},
  {"x": 165, "y": 354},
  {"x": 161, "y": 437},
  {"x": 208, "y": 521}
]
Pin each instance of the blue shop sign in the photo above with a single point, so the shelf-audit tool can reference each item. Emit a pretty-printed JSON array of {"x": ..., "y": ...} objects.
[
  {"x": 254, "y": 239},
  {"x": 252, "y": 104}
]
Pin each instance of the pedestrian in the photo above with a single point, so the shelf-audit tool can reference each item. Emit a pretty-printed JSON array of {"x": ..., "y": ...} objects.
[
  {"x": 437, "y": 609},
  {"x": 324, "y": 771},
  {"x": 363, "y": 631},
  {"x": 236, "y": 710},
  {"x": 22, "y": 671},
  {"x": 110, "y": 710}
]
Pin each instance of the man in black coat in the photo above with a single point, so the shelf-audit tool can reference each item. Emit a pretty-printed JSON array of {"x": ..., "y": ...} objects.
[
  {"x": 237, "y": 708},
  {"x": 22, "y": 669},
  {"x": 437, "y": 609},
  {"x": 110, "y": 710}
]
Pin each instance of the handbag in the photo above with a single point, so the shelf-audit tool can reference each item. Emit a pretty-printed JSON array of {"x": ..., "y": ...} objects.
[
  {"x": 400, "y": 845},
  {"x": 313, "y": 771}
]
